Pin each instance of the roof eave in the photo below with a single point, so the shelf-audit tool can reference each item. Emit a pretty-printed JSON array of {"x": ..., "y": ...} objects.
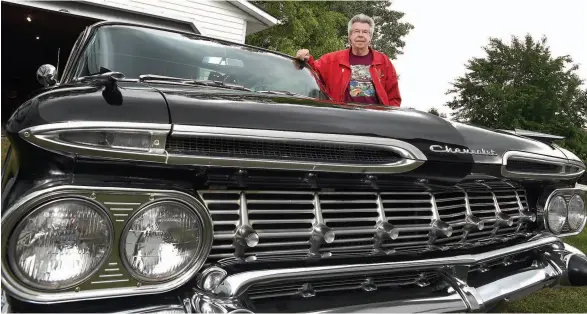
[{"x": 264, "y": 17}]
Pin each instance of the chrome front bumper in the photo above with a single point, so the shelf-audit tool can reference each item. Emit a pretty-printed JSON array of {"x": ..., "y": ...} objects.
[
  {"x": 457, "y": 295},
  {"x": 454, "y": 291}
]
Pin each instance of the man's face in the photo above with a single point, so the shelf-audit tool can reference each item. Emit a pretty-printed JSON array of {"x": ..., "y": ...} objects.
[{"x": 360, "y": 35}]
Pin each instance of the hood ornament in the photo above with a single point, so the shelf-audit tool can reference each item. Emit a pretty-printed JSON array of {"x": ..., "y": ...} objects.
[{"x": 450, "y": 150}]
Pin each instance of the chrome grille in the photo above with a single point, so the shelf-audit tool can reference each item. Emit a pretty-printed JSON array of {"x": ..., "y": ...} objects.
[
  {"x": 279, "y": 150},
  {"x": 285, "y": 220},
  {"x": 536, "y": 167},
  {"x": 310, "y": 288}
]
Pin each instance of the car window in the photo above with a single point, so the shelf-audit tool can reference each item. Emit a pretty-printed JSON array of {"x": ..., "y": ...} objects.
[{"x": 135, "y": 51}]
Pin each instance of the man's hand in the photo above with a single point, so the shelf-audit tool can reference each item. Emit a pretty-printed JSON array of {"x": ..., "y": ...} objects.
[{"x": 303, "y": 54}]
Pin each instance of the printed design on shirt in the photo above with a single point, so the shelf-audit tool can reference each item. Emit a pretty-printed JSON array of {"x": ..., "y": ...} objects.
[{"x": 361, "y": 84}]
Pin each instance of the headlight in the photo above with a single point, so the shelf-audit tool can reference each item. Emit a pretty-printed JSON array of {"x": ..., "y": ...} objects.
[
  {"x": 565, "y": 211},
  {"x": 576, "y": 215},
  {"x": 60, "y": 244},
  {"x": 557, "y": 214},
  {"x": 162, "y": 240}
]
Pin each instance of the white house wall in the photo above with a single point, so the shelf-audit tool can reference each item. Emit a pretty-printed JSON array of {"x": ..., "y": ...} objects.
[{"x": 218, "y": 19}]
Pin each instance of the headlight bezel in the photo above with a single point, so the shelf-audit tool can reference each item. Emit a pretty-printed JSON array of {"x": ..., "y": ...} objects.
[
  {"x": 566, "y": 193},
  {"x": 584, "y": 220},
  {"x": 102, "y": 195},
  {"x": 196, "y": 263},
  {"x": 17, "y": 228}
]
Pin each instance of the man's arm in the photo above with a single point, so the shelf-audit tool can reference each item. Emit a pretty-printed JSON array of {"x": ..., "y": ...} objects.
[{"x": 392, "y": 86}]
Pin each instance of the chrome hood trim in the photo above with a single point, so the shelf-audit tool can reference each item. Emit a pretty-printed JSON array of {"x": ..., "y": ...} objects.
[{"x": 47, "y": 137}]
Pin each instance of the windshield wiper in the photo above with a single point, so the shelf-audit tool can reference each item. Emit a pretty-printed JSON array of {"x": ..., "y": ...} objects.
[
  {"x": 152, "y": 77},
  {"x": 281, "y": 92}
]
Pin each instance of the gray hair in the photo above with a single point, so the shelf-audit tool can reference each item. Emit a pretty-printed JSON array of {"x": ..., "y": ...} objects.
[{"x": 362, "y": 18}]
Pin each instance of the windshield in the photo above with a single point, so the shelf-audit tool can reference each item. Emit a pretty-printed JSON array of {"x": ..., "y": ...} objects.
[{"x": 136, "y": 51}]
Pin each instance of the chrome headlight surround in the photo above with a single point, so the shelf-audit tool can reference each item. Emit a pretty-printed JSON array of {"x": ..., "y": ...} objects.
[
  {"x": 203, "y": 247},
  {"x": 11, "y": 280},
  {"x": 567, "y": 194},
  {"x": 17, "y": 228},
  {"x": 89, "y": 290}
]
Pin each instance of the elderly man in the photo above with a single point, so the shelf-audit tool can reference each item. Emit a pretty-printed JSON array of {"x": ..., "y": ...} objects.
[{"x": 359, "y": 74}]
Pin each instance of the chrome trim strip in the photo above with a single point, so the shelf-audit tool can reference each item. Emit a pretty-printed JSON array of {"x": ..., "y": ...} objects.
[
  {"x": 401, "y": 166},
  {"x": 169, "y": 308},
  {"x": 46, "y": 136},
  {"x": 539, "y": 159},
  {"x": 235, "y": 285},
  {"x": 25, "y": 204}
]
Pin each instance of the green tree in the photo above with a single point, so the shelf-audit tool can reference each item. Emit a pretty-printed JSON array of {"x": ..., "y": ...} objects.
[
  {"x": 321, "y": 26},
  {"x": 435, "y": 112},
  {"x": 521, "y": 85}
]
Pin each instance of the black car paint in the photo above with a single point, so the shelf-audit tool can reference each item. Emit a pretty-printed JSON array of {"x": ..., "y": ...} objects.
[{"x": 211, "y": 106}]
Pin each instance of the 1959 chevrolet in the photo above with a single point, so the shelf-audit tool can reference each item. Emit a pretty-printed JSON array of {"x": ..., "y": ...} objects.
[{"x": 169, "y": 172}]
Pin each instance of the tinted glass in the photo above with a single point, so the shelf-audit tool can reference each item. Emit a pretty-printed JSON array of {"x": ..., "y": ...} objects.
[{"x": 135, "y": 51}]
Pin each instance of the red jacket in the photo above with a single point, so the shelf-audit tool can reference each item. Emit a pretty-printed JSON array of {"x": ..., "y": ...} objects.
[{"x": 335, "y": 71}]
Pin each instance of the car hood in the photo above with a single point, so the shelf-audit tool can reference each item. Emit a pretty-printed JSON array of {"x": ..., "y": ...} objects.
[
  {"x": 437, "y": 138},
  {"x": 250, "y": 110}
]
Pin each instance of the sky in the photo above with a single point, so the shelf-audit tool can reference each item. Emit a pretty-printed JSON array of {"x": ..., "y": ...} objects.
[{"x": 447, "y": 33}]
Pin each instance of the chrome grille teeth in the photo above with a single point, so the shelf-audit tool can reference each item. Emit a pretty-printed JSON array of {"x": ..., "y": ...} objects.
[{"x": 293, "y": 224}]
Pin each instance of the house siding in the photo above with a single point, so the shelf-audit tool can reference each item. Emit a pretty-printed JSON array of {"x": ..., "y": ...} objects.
[{"x": 218, "y": 19}]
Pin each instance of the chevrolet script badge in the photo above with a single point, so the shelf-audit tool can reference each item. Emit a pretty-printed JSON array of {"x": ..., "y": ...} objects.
[{"x": 450, "y": 150}]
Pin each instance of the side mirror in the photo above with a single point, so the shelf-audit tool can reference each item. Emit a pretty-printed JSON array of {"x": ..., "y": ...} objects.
[{"x": 46, "y": 75}]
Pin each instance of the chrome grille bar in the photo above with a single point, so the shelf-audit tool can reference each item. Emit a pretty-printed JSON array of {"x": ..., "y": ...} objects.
[{"x": 298, "y": 223}]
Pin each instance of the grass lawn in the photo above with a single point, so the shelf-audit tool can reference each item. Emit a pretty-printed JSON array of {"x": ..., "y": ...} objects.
[
  {"x": 573, "y": 300},
  {"x": 558, "y": 300}
]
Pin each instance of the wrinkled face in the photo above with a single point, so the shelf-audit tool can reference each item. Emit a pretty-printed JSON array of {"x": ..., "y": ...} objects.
[{"x": 360, "y": 35}]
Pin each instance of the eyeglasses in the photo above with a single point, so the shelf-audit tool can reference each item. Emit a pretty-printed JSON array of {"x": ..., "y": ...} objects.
[{"x": 358, "y": 31}]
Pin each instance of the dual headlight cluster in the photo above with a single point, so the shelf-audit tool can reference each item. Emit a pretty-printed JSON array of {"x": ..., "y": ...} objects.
[
  {"x": 565, "y": 211},
  {"x": 62, "y": 243}
]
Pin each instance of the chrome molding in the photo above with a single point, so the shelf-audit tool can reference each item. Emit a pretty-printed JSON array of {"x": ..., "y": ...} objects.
[
  {"x": 118, "y": 201},
  {"x": 309, "y": 223},
  {"x": 46, "y": 136},
  {"x": 167, "y": 309},
  {"x": 536, "y": 158}
]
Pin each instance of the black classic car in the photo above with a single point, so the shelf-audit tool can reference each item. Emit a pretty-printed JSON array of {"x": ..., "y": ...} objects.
[{"x": 167, "y": 172}]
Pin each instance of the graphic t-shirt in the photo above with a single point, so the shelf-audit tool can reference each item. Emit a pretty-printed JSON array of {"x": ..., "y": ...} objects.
[{"x": 361, "y": 88}]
